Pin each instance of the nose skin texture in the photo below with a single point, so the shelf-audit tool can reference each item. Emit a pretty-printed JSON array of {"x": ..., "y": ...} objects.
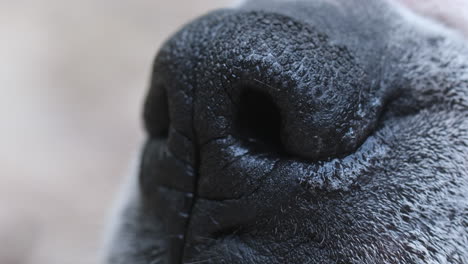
[
  {"x": 225, "y": 116},
  {"x": 322, "y": 96},
  {"x": 270, "y": 141}
]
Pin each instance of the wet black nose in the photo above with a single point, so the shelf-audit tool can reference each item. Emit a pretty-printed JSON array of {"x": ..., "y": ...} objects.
[
  {"x": 233, "y": 84},
  {"x": 275, "y": 84}
]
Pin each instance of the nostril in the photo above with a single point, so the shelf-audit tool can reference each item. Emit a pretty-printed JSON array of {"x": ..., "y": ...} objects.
[
  {"x": 258, "y": 120},
  {"x": 156, "y": 112}
]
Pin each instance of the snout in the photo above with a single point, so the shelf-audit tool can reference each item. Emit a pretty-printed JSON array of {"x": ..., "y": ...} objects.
[{"x": 246, "y": 112}]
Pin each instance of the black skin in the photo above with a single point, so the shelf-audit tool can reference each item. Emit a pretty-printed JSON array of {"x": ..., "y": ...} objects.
[{"x": 303, "y": 132}]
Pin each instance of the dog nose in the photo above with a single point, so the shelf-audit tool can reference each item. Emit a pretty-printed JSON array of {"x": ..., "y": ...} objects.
[
  {"x": 266, "y": 86},
  {"x": 281, "y": 88}
]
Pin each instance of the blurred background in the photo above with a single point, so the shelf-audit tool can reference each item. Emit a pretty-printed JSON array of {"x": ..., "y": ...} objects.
[{"x": 72, "y": 77}]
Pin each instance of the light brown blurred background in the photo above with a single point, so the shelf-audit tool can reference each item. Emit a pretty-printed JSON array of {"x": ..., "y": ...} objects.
[{"x": 72, "y": 77}]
